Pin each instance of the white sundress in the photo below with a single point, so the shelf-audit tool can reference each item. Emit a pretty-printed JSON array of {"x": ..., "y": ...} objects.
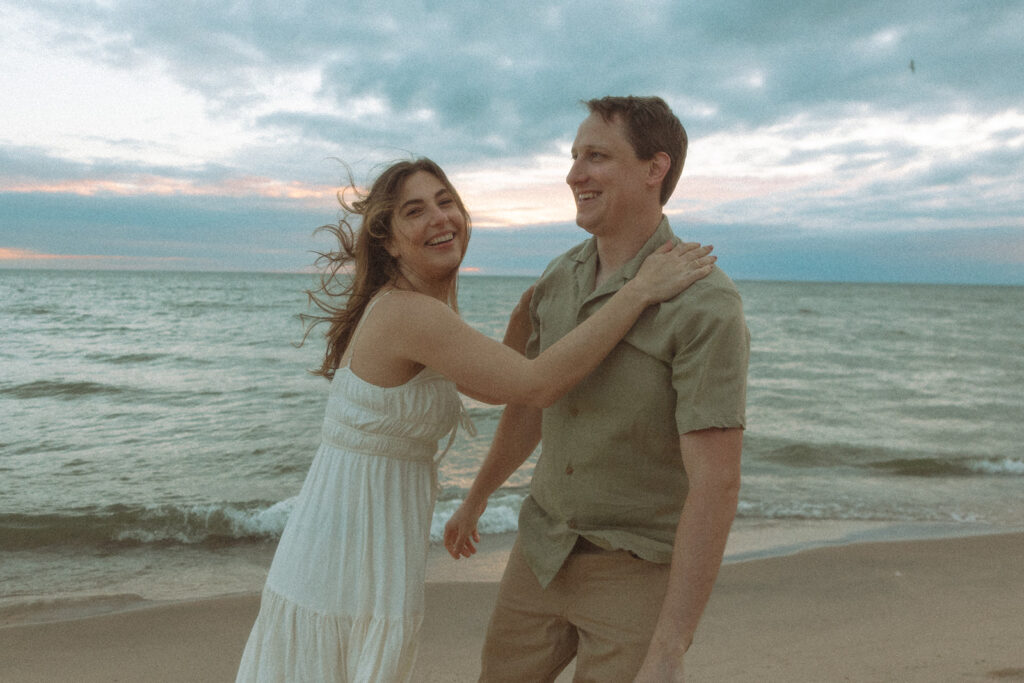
[{"x": 344, "y": 596}]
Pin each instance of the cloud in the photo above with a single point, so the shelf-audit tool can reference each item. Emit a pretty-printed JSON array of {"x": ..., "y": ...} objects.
[
  {"x": 7, "y": 254},
  {"x": 20, "y": 258},
  {"x": 504, "y": 79},
  {"x": 759, "y": 252},
  {"x": 802, "y": 115},
  {"x": 513, "y": 72},
  {"x": 203, "y": 232}
]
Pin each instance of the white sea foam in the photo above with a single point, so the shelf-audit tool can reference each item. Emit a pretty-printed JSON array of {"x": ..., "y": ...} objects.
[
  {"x": 190, "y": 524},
  {"x": 1010, "y": 466},
  {"x": 501, "y": 516},
  {"x": 266, "y": 522}
]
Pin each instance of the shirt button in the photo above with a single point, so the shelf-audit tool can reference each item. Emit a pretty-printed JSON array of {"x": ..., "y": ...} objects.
[
  {"x": 571, "y": 524},
  {"x": 574, "y": 411},
  {"x": 569, "y": 470}
]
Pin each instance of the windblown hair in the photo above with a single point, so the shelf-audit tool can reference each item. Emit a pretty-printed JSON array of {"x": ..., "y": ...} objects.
[
  {"x": 651, "y": 127},
  {"x": 361, "y": 265}
]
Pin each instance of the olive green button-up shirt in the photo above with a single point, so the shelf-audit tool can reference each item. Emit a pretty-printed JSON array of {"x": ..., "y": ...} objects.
[{"x": 610, "y": 468}]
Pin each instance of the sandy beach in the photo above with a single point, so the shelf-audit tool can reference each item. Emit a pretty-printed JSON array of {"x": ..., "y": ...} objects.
[{"x": 931, "y": 610}]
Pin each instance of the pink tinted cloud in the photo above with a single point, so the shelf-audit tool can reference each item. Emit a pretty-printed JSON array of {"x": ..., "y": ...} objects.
[
  {"x": 167, "y": 186},
  {"x": 14, "y": 254}
]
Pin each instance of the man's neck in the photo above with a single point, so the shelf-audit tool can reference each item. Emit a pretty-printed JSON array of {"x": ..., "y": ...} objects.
[{"x": 615, "y": 251}]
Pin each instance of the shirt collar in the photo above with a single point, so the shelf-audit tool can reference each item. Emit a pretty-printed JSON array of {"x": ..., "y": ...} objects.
[{"x": 587, "y": 258}]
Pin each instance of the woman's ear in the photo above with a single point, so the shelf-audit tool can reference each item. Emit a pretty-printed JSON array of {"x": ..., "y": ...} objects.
[
  {"x": 388, "y": 242},
  {"x": 389, "y": 246}
]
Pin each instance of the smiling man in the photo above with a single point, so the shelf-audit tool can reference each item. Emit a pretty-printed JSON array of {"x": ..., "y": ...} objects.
[{"x": 633, "y": 495}]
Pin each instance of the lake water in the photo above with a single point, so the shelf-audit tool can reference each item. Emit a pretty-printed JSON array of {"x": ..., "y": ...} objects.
[{"x": 154, "y": 426}]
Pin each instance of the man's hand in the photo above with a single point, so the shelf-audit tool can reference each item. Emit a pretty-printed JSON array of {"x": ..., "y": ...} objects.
[{"x": 712, "y": 461}]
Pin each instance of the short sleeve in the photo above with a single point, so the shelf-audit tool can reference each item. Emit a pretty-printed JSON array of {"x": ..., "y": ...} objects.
[
  {"x": 533, "y": 343},
  {"x": 709, "y": 367},
  {"x": 541, "y": 288}
]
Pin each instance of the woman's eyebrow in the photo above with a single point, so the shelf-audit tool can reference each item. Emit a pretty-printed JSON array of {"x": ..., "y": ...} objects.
[
  {"x": 443, "y": 191},
  {"x": 411, "y": 202}
]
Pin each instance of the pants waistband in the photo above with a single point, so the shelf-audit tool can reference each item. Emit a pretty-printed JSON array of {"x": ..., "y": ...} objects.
[{"x": 583, "y": 546}]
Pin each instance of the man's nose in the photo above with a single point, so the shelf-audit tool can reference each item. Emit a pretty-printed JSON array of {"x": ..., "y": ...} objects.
[{"x": 575, "y": 174}]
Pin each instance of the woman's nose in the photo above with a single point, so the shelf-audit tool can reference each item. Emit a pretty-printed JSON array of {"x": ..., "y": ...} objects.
[{"x": 437, "y": 215}]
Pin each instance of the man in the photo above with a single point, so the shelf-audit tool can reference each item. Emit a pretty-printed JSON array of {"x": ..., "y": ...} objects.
[{"x": 633, "y": 495}]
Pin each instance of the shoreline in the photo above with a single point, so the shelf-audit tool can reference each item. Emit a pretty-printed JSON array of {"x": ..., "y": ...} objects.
[
  {"x": 945, "y": 609},
  {"x": 751, "y": 540}
]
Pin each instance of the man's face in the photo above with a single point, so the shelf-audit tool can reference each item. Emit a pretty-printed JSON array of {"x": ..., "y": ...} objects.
[{"x": 607, "y": 179}]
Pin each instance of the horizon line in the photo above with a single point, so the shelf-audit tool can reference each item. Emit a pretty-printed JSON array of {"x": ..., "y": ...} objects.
[{"x": 476, "y": 273}]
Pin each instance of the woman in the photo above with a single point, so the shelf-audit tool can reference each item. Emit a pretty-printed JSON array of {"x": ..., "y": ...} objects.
[{"x": 344, "y": 595}]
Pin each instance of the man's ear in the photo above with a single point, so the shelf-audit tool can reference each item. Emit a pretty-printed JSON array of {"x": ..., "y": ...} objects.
[{"x": 658, "y": 168}]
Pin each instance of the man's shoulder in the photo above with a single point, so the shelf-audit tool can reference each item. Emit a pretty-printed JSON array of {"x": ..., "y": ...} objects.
[{"x": 717, "y": 292}]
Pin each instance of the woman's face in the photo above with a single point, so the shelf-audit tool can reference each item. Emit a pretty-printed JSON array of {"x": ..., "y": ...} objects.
[{"x": 428, "y": 231}]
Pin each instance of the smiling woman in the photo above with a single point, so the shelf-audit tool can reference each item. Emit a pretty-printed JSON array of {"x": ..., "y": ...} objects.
[
  {"x": 410, "y": 191},
  {"x": 430, "y": 232}
]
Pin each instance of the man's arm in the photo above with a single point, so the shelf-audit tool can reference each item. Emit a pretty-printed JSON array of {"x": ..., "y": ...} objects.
[
  {"x": 712, "y": 461},
  {"x": 517, "y": 435}
]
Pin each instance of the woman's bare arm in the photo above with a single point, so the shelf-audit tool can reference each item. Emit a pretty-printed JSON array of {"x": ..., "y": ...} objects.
[{"x": 427, "y": 332}]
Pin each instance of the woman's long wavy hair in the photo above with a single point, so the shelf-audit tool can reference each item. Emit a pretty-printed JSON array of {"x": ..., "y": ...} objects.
[{"x": 361, "y": 265}]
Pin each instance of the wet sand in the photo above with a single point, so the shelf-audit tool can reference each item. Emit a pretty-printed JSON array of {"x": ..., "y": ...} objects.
[{"x": 933, "y": 610}]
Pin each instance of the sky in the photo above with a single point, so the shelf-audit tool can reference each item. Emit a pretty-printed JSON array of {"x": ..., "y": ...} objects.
[{"x": 831, "y": 141}]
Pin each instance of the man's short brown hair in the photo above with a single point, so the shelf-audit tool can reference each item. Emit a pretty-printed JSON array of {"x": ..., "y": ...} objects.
[{"x": 651, "y": 127}]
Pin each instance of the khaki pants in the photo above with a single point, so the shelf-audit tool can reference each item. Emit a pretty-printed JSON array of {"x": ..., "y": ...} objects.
[{"x": 601, "y": 607}]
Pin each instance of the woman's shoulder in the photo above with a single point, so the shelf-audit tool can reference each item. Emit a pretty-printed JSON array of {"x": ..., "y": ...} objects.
[
  {"x": 406, "y": 299},
  {"x": 399, "y": 310}
]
